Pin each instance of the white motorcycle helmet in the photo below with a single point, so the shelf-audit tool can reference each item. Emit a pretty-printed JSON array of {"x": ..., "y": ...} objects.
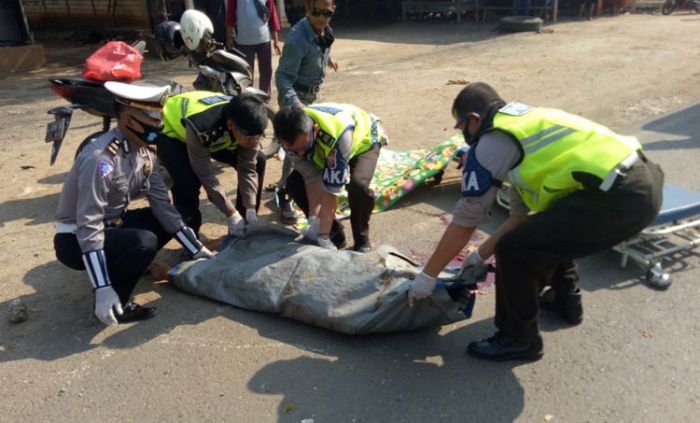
[{"x": 196, "y": 29}]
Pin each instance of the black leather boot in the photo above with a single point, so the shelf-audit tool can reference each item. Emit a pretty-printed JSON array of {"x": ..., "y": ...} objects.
[
  {"x": 288, "y": 215},
  {"x": 337, "y": 235},
  {"x": 362, "y": 245},
  {"x": 133, "y": 312},
  {"x": 501, "y": 347},
  {"x": 566, "y": 305}
]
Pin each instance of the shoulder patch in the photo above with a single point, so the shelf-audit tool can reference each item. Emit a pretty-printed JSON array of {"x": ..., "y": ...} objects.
[
  {"x": 326, "y": 109},
  {"x": 215, "y": 99},
  {"x": 515, "y": 109},
  {"x": 113, "y": 146},
  {"x": 336, "y": 172},
  {"x": 104, "y": 168},
  {"x": 476, "y": 179}
]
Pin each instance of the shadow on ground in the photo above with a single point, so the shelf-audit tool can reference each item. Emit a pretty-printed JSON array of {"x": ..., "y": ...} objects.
[{"x": 682, "y": 123}]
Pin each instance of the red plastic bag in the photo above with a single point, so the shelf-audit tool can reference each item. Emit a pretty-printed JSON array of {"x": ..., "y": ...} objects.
[{"x": 115, "y": 61}]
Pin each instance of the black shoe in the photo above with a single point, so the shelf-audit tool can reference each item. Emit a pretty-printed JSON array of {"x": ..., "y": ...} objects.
[
  {"x": 288, "y": 215},
  {"x": 363, "y": 247},
  {"x": 134, "y": 312},
  {"x": 501, "y": 348},
  {"x": 567, "y": 306},
  {"x": 338, "y": 239}
]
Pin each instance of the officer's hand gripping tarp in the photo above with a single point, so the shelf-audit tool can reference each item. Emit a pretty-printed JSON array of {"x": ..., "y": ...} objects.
[{"x": 342, "y": 291}]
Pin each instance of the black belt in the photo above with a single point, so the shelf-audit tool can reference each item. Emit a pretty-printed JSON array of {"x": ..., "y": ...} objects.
[{"x": 306, "y": 89}]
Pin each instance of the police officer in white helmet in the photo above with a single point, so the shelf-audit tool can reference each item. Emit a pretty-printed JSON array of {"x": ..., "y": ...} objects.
[{"x": 94, "y": 230}]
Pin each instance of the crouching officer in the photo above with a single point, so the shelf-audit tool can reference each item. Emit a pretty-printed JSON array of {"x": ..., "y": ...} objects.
[
  {"x": 202, "y": 125},
  {"x": 94, "y": 230},
  {"x": 578, "y": 188},
  {"x": 332, "y": 145}
]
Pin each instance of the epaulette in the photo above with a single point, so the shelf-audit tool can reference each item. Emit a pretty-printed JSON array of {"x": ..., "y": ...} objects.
[{"x": 114, "y": 146}]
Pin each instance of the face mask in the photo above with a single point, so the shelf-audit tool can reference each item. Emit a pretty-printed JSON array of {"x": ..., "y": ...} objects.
[
  {"x": 468, "y": 138},
  {"x": 308, "y": 147},
  {"x": 150, "y": 133}
]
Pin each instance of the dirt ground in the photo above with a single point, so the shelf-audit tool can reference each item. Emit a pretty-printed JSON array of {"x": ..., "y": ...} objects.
[{"x": 635, "y": 357}]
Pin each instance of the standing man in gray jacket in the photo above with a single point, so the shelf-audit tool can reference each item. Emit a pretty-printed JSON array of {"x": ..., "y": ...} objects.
[
  {"x": 301, "y": 71},
  {"x": 94, "y": 230}
]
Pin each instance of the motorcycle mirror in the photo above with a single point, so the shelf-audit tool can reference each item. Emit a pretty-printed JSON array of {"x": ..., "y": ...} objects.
[
  {"x": 139, "y": 45},
  {"x": 209, "y": 72}
]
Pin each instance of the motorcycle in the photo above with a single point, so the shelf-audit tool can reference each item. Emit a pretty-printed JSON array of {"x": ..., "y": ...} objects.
[
  {"x": 219, "y": 69},
  {"x": 86, "y": 95},
  {"x": 672, "y": 5}
]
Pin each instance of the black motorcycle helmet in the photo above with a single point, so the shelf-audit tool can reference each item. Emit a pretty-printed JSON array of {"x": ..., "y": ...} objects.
[{"x": 168, "y": 39}]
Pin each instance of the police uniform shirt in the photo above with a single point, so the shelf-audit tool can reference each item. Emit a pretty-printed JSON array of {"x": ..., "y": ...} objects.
[
  {"x": 312, "y": 173},
  {"x": 105, "y": 176},
  {"x": 246, "y": 161},
  {"x": 497, "y": 153}
]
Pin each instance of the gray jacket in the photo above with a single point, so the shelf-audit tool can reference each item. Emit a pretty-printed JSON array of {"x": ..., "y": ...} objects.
[{"x": 106, "y": 175}]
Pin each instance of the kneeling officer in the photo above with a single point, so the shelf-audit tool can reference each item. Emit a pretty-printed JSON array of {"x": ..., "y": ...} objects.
[
  {"x": 94, "y": 230},
  {"x": 332, "y": 145},
  {"x": 202, "y": 125}
]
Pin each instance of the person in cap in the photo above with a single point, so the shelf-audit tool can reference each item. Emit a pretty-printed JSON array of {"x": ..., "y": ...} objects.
[
  {"x": 577, "y": 188},
  {"x": 94, "y": 229},
  {"x": 201, "y": 125},
  {"x": 332, "y": 146}
]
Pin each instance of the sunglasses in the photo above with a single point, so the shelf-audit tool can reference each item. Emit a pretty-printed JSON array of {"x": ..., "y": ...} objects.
[
  {"x": 466, "y": 118},
  {"x": 306, "y": 149},
  {"x": 322, "y": 12}
]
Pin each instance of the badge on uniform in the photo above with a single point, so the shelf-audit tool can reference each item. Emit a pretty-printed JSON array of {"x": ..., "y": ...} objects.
[
  {"x": 148, "y": 166},
  {"x": 515, "y": 109},
  {"x": 324, "y": 138},
  {"x": 104, "y": 168},
  {"x": 335, "y": 173}
]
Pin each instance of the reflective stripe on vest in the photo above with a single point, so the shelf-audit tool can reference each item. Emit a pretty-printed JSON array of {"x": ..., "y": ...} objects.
[
  {"x": 556, "y": 145},
  {"x": 333, "y": 120},
  {"x": 181, "y": 107}
]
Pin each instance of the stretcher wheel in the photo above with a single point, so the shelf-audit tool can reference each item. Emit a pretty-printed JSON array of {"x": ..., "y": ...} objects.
[{"x": 657, "y": 278}]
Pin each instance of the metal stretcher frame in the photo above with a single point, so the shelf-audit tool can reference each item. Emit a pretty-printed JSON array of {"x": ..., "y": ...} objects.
[{"x": 676, "y": 229}]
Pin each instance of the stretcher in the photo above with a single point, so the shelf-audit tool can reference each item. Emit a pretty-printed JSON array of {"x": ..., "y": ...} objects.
[{"x": 674, "y": 232}]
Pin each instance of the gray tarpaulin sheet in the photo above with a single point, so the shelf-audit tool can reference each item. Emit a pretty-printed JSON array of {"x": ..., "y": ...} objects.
[{"x": 342, "y": 291}]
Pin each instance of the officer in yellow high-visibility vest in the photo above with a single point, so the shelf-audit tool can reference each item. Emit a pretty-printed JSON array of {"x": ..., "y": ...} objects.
[
  {"x": 577, "y": 187},
  {"x": 332, "y": 146},
  {"x": 201, "y": 125}
]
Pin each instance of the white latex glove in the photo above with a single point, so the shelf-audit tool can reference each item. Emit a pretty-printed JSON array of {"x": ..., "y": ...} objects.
[
  {"x": 236, "y": 224},
  {"x": 204, "y": 253},
  {"x": 473, "y": 268},
  {"x": 327, "y": 244},
  {"x": 106, "y": 301},
  {"x": 311, "y": 231},
  {"x": 251, "y": 216},
  {"x": 421, "y": 287}
]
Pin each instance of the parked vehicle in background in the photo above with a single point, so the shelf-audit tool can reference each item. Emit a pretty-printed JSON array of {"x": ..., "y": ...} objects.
[
  {"x": 219, "y": 69},
  {"x": 671, "y": 6}
]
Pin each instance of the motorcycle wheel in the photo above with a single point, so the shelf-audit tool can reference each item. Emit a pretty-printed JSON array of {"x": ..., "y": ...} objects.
[
  {"x": 86, "y": 141},
  {"x": 270, "y": 144},
  {"x": 668, "y": 7}
]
